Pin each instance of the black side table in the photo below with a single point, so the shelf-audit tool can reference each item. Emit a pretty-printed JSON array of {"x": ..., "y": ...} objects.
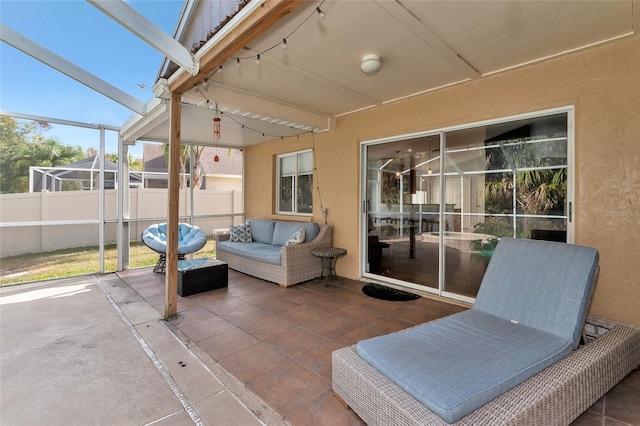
[
  {"x": 200, "y": 275},
  {"x": 329, "y": 257}
]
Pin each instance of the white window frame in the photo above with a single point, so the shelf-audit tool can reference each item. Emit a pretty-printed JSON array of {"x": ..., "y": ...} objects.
[{"x": 294, "y": 201}]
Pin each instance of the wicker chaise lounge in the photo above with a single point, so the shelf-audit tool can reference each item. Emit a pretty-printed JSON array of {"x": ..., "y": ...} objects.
[{"x": 401, "y": 385}]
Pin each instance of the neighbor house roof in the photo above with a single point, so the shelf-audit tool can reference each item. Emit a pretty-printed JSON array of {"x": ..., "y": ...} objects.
[{"x": 230, "y": 160}]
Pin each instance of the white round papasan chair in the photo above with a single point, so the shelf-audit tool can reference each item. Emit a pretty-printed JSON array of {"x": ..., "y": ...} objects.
[{"x": 190, "y": 240}]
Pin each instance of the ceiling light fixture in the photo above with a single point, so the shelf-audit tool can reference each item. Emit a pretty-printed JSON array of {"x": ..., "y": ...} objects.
[
  {"x": 237, "y": 62},
  {"x": 370, "y": 64},
  {"x": 258, "y": 59},
  {"x": 321, "y": 14},
  {"x": 284, "y": 44}
]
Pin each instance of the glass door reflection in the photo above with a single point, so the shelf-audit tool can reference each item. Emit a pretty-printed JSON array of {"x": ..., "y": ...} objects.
[{"x": 401, "y": 209}]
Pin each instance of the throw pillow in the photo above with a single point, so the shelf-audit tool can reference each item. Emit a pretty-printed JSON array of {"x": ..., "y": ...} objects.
[
  {"x": 296, "y": 238},
  {"x": 240, "y": 233}
]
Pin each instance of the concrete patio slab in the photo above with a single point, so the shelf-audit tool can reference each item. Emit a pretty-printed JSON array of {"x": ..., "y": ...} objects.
[{"x": 71, "y": 355}]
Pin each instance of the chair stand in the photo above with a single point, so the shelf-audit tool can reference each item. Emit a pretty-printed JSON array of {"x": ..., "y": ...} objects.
[{"x": 162, "y": 263}]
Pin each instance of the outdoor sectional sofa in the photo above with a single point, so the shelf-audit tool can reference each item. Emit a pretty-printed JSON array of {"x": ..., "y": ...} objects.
[
  {"x": 267, "y": 256},
  {"x": 514, "y": 358}
]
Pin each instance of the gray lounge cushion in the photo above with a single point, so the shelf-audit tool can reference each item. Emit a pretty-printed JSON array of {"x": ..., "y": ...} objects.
[
  {"x": 528, "y": 314},
  {"x": 542, "y": 284},
  {"x": 459, "y": 363}
]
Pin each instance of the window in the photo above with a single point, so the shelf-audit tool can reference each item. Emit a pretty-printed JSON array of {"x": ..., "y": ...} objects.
[{"x": 295, "y": 183}]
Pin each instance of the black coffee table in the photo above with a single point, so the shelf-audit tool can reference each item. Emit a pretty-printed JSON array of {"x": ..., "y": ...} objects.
[{"x": 200, "y": 275}]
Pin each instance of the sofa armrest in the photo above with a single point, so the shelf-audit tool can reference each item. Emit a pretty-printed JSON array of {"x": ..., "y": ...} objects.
[
  {"x": 221, "y": 234},
  {"x": 323, "y": 239},
  {"x": 299, "y": 255}
]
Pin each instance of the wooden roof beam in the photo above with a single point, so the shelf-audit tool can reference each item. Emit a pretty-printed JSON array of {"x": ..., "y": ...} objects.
[{"x": 211, "y": 57}]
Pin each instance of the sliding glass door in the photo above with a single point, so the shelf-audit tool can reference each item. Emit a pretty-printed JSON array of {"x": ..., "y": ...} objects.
[
  {"x": 402, "y": 212},
  {"x": 432, "y": 220}
]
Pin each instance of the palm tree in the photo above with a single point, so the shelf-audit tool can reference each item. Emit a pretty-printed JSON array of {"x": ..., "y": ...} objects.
[
  {"x": 198, "y": 170},
  {"x": 184, "y": 157}
]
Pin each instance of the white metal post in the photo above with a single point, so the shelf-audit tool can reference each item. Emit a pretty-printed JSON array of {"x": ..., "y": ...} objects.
[
  {"x": 123, "y": 232},
  {"x": 101, "y": 202}
]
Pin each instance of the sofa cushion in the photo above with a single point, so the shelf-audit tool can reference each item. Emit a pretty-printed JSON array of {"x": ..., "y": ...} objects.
[
  {"x": 262, "y": 230},
  {"x": 284, "y": 230},
  {"x": 459, "y": 363},
  {"x": 240, "y": 233},
  {"x": 541, "y": 284},
  {"x": 296, "y": 238},
  {"x": 260, "y": 252}
]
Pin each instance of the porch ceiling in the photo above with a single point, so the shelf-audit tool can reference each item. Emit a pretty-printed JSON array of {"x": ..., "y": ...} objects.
[{"x": 422, "y": 45}]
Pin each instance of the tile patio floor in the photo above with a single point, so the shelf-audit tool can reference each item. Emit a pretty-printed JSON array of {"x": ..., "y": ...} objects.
[
  {"x": 94, "y": 350},
  {"x": 275, "y": 344}
]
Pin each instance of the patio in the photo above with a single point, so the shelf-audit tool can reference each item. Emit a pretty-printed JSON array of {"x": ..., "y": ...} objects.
[{"x": 248, "y": 354}]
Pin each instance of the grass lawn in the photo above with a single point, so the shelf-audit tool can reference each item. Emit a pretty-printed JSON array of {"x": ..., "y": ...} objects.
[{"x": 78, "y": 261}]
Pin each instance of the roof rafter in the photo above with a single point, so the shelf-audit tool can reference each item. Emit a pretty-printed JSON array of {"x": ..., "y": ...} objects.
[
  {"x": 214, "y": 54},
  {"x": 126, "y": 16},
  {"x": 406, "y": 18}
]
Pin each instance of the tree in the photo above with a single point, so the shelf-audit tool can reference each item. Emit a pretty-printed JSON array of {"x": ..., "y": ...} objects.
[
  {"x": 135, "y": 163},
  {"x": 22, "y": 145},
  {"x": 197, "y": 171},
  {"x": 184, "y": 158},
  {"x": 13, "y": 138}
]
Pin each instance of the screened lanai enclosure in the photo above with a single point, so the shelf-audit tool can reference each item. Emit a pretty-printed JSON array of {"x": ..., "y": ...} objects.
[
  {"x": 81, "y": 175},
  {"x": 437, "y": 202},
  {"x": 428, "y": 207}
]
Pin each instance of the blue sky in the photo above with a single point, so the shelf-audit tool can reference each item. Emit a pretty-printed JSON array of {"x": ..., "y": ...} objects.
[{"x": 80, "y": 33}]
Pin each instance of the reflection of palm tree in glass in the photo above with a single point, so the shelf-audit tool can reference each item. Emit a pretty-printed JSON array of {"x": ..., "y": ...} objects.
[
  {"x": 286, "y": 191},
  {"x": 537, "y": 192},
  {"x": 540, "y": 190},
  {"x": 305, "y": 193}
]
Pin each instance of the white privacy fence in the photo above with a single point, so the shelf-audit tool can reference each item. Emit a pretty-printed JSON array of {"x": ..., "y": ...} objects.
[{"x": 43, "y": 221}]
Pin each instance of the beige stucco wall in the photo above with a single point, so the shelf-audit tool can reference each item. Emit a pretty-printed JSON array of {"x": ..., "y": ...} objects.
[{"x": 603, "y": 84}]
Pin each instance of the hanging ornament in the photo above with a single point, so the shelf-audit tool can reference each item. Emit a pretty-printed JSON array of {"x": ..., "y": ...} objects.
[
  {"x": 216, "y": 129},
  {"x": 216, "y": 132}
]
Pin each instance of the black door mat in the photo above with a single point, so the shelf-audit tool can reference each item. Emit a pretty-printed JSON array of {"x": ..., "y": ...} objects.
[{"x": 383, "y": 292}]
